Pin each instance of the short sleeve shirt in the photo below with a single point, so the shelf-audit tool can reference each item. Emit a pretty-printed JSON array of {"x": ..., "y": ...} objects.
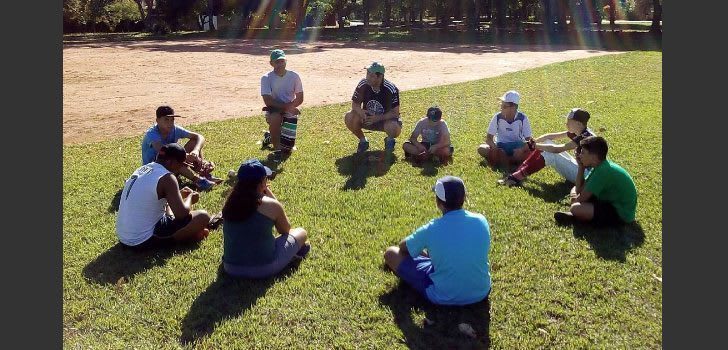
[
  {"x": 429, "y": 133},
  {"x": 379, "y": 102},
  {"x": 153, "y": 134},
  {"x": 517, "y": 130},
  {"x": 458, "y": 244},
  {"x": 611, "y": 183},
  {"x": 282, "y": 89}
]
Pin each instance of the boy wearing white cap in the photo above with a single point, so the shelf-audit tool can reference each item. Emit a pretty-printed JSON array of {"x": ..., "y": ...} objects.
[
  {"x": 511, "y": 129},
  {"x": 446, "y": 260}
]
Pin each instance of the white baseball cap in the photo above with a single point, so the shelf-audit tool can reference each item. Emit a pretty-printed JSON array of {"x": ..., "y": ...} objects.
[{"x": 511, "y": 96}]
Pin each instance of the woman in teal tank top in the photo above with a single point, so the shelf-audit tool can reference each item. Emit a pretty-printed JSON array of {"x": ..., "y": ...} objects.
[{"x": 250, "y": 212}]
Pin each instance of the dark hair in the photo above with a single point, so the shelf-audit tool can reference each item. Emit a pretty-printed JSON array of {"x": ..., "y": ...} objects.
[
  {"x": 597, "y": 145},
  {"x": 451, "y": 206},
  {"x": 243, "y": 200}
]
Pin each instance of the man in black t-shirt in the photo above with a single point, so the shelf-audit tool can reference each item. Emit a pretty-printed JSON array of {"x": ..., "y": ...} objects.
[{"x": 375, "y": 106}]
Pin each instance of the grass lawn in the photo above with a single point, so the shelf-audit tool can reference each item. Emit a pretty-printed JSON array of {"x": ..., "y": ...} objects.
[{"x": 553, "y": 286}]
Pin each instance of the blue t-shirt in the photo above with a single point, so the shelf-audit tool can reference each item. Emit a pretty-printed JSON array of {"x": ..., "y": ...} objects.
[
  {"x": 458, "y": 244},
  {"x": 153, "y": 134}
]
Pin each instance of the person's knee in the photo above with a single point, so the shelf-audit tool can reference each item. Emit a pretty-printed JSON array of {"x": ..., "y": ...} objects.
[
  {"x": 350, "y": 119},
  {"x": 300, "y": 234},
  {"x": 483, "y": 150},
  {"x": 393, "y": 129},
  {"x": 391, "y": 254}
]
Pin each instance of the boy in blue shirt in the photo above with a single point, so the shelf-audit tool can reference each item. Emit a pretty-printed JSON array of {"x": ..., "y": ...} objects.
[
  {"x": 446, "y": 260},
  {"x": 166, "y": 132}
]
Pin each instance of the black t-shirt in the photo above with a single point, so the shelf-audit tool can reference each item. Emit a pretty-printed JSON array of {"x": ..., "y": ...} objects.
[
  {"x": 577, "y": 138},
  {"x": 376, "y": 102}
]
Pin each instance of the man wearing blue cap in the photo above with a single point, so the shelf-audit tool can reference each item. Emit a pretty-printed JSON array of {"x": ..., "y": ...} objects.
[
  {"x": 446, "y": 260},
  {"x": 282, "y": 93},
  {"x": 153, "y": 209},
  {"x": 375, "y": 106}
]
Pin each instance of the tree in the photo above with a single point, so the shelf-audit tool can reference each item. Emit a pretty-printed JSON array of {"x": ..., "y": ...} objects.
[{"x": 656, "y": 16}]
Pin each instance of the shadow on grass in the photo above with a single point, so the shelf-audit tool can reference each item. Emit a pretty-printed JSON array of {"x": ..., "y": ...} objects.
[
  {"x": 444, "y": 333},
  {"x": 429, "y": 167},
  {"x": 611, "y": 243},
  {"x": 114, "y": 206},
  {"x": 227, "y": 297},
  {"x": 500, "y": 169},
  {"x": 361, "y": 166},
  {"x": 121, "y": 261},
  {"x": 549, "y": 192}
]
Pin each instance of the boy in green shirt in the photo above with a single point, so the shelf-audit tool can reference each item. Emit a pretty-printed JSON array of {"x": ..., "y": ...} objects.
[{"x": 607, "y": 196}]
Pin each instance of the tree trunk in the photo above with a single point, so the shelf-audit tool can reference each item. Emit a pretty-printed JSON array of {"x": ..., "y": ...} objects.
[
  {"x": 656, "y": 16},
  {"x": 141, "y": 9},
  {"x": 366, "y": 4},
  {"x": 387, "y": 13},
  {"x": 500, "y": 14}
]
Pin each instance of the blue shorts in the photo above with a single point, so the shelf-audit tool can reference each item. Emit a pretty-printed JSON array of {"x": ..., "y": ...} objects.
[
  {"x": 509, "y": 147},
  {"x": 416, "y": 272}
]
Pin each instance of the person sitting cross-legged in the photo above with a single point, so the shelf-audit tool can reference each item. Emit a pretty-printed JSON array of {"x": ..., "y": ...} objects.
[
  {"x": 152, "y": 208},
  {"x": 249, "y": 215},
  {"x": 446, "y": 260},
  {"x": 435, "y": 138},
  {"x": 608, "y": 196}
]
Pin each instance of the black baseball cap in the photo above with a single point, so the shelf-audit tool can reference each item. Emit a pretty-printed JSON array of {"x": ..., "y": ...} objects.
[
  {"x": 450, "y": 189},
  {"x": 166, "y": 111},
  {"x": 172, "y": 151}
]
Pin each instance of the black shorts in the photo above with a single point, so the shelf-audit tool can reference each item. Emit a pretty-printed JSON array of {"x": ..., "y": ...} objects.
[
  {"x": 379, "y": 126},
  {"x": 604, "y": 213},
  {"x": 163, "y": 231},
  {"x": 428, "y": 145}
]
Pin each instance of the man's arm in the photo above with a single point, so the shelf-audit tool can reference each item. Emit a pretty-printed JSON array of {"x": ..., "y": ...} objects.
[
  {"x": 403, "y": 248},
  {"x": 555, "y": 148},
  {"x": 392, "y": 114},
  {"x": 489, "y": 141},
  {"x": 200, "y": 140},
  {"x": 168, "y": 188},
  {"x": 552, "y": 136},
  {"x": 444, "y": 141}
]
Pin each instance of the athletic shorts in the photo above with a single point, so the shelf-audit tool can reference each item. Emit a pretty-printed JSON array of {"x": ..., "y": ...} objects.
[
  {"x": 509, "y": 147},
  {"x": 428, "y": 145},
  {"x": 604, "y": 213},
  {"x": 416, "y": 272},
  {"x": 286, "y": 248},
  {"x": 379, "y": 126}
]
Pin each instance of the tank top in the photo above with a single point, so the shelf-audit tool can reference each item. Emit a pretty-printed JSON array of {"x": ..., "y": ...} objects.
[
  {"x": 249, "y": 242},
  {"x": 139, "y": 207}
]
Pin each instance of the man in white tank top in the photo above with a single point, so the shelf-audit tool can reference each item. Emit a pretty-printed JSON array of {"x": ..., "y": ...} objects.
[{"x": 153, "y": 209}]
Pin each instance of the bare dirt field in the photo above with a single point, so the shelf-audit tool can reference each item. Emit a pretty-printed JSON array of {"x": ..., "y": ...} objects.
[{"x": 112, "y": 89}]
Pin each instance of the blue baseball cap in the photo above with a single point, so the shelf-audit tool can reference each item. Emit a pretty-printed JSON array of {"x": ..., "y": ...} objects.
[
  {"x": 450, "y": 189},
  {"x": 253, "y": 169}
]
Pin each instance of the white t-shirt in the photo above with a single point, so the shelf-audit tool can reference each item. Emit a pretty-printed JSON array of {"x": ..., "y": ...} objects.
[
  {"x": 514, "y": 131},
  {"x": 139, "y": 208},
  {"x": 283, "y": 89}
]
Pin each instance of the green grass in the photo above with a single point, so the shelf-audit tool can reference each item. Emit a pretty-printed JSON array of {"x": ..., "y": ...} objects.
[{"x": 555, "y": 287}]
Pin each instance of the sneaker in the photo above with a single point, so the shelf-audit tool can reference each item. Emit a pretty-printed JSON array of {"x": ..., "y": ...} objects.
[
  {"x": 363, "y": 146},
  {"x": 215, "y": 222},
  {"x": 204, "y": 184},
  {"x": 214, "y": 179},
  {"x": 563, "y": 218},
  {"x": 266, "y": 139},
  {"x": 510, "y": 181},
  {"x": 304, "y": 250},
  {"x": 389, "y": 144}
]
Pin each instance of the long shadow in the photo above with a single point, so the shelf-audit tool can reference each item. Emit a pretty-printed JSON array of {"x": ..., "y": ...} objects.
[
  {"x": 361, "y": 166},
  {"x": 428, "y": 167},
  {"x": 114, "y": 205},
  {"x": 611, "y": 243},
  {"x": 549, "y": 192},
  {"x": 227, "y": 297},
  {"x": 120, "y": 263},
  {"x": 443, "y": 333}
]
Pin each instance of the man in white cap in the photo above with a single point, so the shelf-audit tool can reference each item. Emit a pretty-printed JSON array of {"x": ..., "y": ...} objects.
[
  {"x": 446, "y": 260},
  {"x": 508, "y": 132}
]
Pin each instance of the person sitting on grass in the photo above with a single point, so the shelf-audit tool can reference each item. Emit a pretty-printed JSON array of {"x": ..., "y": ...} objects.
[
  {"x": 249, "y": 214},
  {"x": 608, "y": 196},
  {"x": 446, "y": 260},
  {"x": 153, "y": 210},
  {"x": 545, "y": 152},
  {"x": 510, "y": 129},
  {"x": 435, "y": 138},
  {"x": 197, "y": 169}
]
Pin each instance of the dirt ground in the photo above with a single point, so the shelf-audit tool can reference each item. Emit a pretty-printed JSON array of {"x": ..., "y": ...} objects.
[{"x": 112, "y": 89}]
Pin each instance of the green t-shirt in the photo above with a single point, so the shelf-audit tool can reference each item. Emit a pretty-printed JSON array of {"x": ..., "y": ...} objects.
[{"x": 611, "y": 183}]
